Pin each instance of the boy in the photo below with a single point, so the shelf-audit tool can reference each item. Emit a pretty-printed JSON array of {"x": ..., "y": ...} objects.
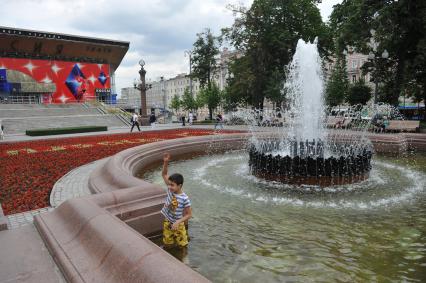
[{"x": 176, "y": 210}]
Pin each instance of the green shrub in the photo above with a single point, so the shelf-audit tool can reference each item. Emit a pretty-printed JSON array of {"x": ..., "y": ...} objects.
[
  {"x": 61, "y": 131},
  {"x": 204, "y": 122}
]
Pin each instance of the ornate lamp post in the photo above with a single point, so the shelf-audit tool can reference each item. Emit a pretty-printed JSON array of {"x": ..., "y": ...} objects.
[
  {"x": 375, "y": 59},
  {"x": 143, "y": 87}
]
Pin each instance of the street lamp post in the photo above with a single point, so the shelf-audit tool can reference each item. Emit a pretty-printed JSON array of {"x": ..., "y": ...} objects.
[
  {"x": 163, "y": 93},
  {"x": 189, "y": 53},
  {"x": 374, "y": 58},
  {"x": 143, "y": 87}
]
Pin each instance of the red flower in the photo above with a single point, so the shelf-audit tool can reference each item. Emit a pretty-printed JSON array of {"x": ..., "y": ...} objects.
[{"x": 30, "y": 169}]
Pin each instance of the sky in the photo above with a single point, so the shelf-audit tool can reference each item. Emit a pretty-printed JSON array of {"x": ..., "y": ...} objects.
[{"x": 159, "y": 31}]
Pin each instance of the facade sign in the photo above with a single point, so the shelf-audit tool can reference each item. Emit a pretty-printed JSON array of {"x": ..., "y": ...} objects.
[{"x": 75, "y": 82}]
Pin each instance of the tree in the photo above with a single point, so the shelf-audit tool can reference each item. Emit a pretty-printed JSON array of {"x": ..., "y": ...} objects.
[
  {"x": 398, "y": 26},
  {"x": 241, "y": 82},
  {"x": 175, "y": 103},
  {"x": 227, "y": 102},
  {"x": 210, "y": 96},
  {"x": 415, "y": 91},
  {"x": 337, "y": 85},
  {"x": 188, "y": 102},
  {"x": 206, "y": 47},
  {"x": 359, "y": 93},
  {"x": 267, "y": 35}
]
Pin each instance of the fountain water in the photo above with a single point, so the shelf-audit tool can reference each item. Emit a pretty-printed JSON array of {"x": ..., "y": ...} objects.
[{"x": 307, "y": 153}]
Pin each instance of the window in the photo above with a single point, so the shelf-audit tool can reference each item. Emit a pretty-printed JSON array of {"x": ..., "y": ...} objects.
[{"x": 354, "y": 64}]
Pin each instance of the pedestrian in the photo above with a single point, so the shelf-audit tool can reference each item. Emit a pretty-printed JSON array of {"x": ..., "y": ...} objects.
[
  {"x": 183, "y": 119},
  {"x": 1, "y": 131},
  {"x": 219, "y": 121},
  {"x": 152, "y": 120},
  {"x": 191, "y": 118},
  {"x": 135, "y": 122},
  {"x": 176, "y": 210}
]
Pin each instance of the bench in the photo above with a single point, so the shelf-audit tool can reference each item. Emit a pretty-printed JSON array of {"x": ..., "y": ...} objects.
[
  {"x": 346, "y": 123},
  {"x": 403, "y": 126},
  {"x": 333, "y": 122}
]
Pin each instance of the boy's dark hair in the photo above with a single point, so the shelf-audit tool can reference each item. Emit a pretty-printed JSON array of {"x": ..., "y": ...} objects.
[{"x": 176, "y": 178}]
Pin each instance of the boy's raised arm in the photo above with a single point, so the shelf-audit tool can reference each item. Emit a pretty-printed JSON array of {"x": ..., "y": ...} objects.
[{"x": 166, "y": 158}]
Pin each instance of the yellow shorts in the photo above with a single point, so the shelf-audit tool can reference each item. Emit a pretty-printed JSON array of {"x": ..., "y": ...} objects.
[{"x": 171, "y": 237}]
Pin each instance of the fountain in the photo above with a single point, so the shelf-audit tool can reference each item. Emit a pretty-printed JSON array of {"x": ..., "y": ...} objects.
[{"x": 307, "y": 154}]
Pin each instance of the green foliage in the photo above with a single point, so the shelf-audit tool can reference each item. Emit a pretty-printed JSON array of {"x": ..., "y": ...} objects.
[
  {"x": 188, "y": 102},
  {"x": 62, "y": 131},
  {"x": 400, "y": 28},
  {"x": 206, "y": 47},
  {"x": 338, "y": 85},
  {"x": 210, "y": 96},
  {"x": 267, "y": 35},
  {"x": 227, "y": 102},
  {"x": 242, "y": 81},
  {"x": 359, "y": 93},
  {"x": 175, "y": 103},
  {"x": 415, "y": 91}
]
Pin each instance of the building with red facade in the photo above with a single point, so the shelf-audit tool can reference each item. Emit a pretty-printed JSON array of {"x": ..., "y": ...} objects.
[{"x": 45, "y": 67}]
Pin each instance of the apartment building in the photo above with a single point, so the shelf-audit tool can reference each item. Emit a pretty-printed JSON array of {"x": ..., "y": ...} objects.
[{"x": 130, "y": 97}]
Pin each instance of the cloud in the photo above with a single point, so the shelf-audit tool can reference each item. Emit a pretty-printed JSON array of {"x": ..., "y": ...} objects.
[{"x": 159, "y": 31}]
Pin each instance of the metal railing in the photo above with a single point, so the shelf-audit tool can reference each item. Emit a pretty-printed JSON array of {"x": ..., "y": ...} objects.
[{"x": 27, "y": 99}]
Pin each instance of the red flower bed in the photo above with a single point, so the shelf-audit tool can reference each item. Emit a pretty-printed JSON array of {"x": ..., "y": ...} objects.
[{"x": 28, "y": 170}]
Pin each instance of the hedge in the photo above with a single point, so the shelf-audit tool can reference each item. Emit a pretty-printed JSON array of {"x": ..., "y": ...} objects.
[
  {"x": 204, "y": 122},
  {"x": 61, "y": 131}
]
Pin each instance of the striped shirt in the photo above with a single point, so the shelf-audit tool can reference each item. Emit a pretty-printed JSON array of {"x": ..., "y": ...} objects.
[{"x": 174, "y": 206}]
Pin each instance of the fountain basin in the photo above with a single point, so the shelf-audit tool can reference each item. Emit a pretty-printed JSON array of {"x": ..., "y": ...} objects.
[
  {"x": 309, "y": 166},
  {"x": 246, "y": 229}
]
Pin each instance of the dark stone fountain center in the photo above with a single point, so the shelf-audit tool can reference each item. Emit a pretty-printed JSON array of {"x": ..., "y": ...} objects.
[{"x": 306, "y": 164}]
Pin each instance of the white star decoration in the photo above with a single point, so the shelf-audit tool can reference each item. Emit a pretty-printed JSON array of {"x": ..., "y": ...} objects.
[
  {"x": 92, "y": 79},
  {"x": 80, "y": 66},
  {"x": 55, "y": 68},
  {"x": 63, "y": 98},
  {"x": 100, "y": 66},
  {"x": 30, "y": 66},
  {"x": 46, "y": 80}
]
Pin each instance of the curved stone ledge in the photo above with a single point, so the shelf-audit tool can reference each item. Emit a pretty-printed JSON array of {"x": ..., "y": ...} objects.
[
  {"x": 119, "y": 171},
  {"x": 90, "y": 244},
  {"x": 101, "y": 238}
]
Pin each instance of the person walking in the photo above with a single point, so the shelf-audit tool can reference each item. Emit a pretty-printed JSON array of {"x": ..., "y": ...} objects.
[
  {"x": 183, "y": 119},
  {"x": 135, "y": 122},
  {"x": 191, "y": 118},
  {"x": 1, "y": 131},
  {"x": 152, "y": 120},
  {"x": 219, "y": 121}
]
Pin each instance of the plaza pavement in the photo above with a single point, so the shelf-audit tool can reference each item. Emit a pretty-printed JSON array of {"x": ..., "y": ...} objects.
[{"x": 117, "y": 130}]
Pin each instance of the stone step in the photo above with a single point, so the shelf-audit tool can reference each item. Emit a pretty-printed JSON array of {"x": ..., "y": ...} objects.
[{"x": 20, "y": 125}]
